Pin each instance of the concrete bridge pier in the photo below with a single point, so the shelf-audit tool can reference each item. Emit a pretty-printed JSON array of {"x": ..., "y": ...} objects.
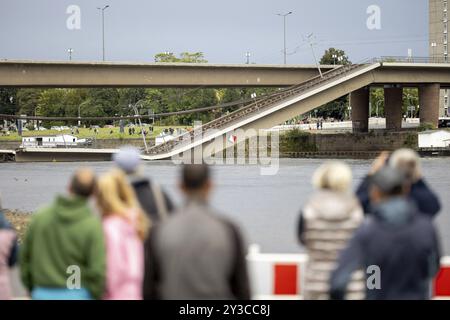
[
  {"x": 429, "y": 95},
  {"x": 359, "y": 102},
  {"x": 393, "y": 101}
]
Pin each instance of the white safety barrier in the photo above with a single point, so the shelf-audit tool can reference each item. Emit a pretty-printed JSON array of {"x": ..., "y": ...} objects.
[{"x": 281, "y": 276}]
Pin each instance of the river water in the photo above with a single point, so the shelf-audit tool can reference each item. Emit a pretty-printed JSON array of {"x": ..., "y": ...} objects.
[{"x": 265, "y": 207}]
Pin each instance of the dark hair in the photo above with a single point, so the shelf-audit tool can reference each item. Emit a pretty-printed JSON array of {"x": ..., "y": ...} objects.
[
  {"x": 195, "y": 176},
  {"x": 83, "y": 183}
]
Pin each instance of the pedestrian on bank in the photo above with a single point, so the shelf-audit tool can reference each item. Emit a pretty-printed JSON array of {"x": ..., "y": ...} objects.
[
  {"x": 397, "y": 245},
  {"x": 196, "y": 253},
  {"x": 125, "y": 226},
  {"x": 8, "y": 254},
  {"x": 63, "y": 253},
  {"x": 326, "y": 224},
  {"x": 153, "y": 199},
  {"x": 408, "y": 161}
]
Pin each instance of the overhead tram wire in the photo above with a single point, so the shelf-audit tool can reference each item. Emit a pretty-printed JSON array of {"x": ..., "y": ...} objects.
[{"x": 157, "y": 115}]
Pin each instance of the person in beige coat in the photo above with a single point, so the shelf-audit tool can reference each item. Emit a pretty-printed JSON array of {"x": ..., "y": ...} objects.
[{"x": 326, "y": 224}]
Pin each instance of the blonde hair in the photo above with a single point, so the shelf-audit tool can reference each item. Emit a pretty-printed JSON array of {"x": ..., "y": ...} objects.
[
  {"x": 115, "y": 196},
  {"x": 408, "y": 161},
  {"x": 335, "y": 176}
]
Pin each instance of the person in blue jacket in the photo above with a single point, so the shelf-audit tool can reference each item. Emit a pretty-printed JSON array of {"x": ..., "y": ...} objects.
[
  {"x": 407, "y": 161},
  {"x": 396, "y": 245}
]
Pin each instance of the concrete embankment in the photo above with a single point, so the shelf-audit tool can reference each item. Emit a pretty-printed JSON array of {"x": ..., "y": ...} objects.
[
  {"x": 347, "y": 145},
  {"x": 292, "y": 144}
]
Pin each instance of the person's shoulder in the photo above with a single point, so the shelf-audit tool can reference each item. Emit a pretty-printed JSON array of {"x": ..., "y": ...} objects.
[
  {"x": 227, "y": 222},
  {"x": 91, "y": 223},
  {"x": 368, "y": 227},
  {"x": 42, "y": 213},
  {"x": 424, "y": 221}
]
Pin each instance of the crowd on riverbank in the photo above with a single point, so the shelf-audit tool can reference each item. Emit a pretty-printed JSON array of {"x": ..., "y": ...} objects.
[{"x": 131, "y": 242}]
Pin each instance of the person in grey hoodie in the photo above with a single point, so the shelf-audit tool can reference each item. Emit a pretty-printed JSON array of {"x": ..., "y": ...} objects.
[
  {"x": 397, "y": 245},
  {"x": 195, "y": 253}
]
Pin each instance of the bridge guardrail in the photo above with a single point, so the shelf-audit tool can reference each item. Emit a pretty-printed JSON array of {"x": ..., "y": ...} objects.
[{"x": 282, "y": 276}]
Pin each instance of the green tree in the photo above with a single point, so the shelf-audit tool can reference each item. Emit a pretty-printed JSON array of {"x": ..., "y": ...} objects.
[
  {"x": 177, "y": 99},
  {"x": 185, "y": 57},
  {"x": 333, "y": 56},
  {"x": 410, "y": 98},
  {"x": 8, "y": 100},
  {"x": 336, "y": 109},
  {"x": 50, "y": 104},
  {"x": 27, "y": 100},
  {"x": 377, "y": 102}
]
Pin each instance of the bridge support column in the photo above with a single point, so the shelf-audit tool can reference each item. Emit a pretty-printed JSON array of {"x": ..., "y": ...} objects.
[
  {"x": 393, "y": 101},
  {"x": 359, "y": 101},
  {"x": 429, "y": 103}
]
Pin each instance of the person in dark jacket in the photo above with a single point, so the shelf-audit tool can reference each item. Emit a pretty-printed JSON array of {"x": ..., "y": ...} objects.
[
  {"x": 153, "y": 200},
  {"x": 408, "y": 161},
  {"x": 8, "y": 255},
  {"x": 195, "y": 253},
  {"x": 396, "y": 245}
]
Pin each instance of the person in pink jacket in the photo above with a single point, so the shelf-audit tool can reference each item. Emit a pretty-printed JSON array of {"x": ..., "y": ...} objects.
[
  {"x": 125, "y": 227},
  {"x": 8, "y": 255}
]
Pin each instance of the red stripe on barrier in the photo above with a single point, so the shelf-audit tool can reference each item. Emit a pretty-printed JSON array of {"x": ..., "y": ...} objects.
[
  {"x": 442, "y": 283},
  {"x": 285, "y": 280}
]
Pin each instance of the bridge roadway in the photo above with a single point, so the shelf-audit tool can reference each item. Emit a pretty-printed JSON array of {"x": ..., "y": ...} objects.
[
  {"x": 20, "y": 73},
  {"x": 15, "y": 73}
]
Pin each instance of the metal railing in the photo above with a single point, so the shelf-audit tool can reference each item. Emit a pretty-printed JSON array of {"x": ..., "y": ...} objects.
[
  {"x": 259, "y": 105},
  {"x": 404, "y": 59}
]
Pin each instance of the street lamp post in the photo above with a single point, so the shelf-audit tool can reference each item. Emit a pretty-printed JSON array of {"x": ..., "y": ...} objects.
[
  {"x": 134, "y": 107},
  {"x": 284, "y": 15},
  {"x": 309, "y": 39},
  {"x": 103, "y": 27},
  {"x": 377, "y": 105},
  {"x": 79, "y": 115},
  {"x": 247, "y": 56},
  {"x": 35, "y": 114},
  {"x": 338, "y": 58},
  {"x": 433, "y": 45},
  {"x": 70, "y": 51}
]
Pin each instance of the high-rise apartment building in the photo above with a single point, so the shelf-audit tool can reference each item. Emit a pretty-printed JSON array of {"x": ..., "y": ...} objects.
[{"x": 438, "y": 42}]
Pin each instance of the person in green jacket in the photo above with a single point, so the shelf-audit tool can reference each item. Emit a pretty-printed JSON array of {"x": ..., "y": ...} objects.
[{"x": 63, "y": 253}]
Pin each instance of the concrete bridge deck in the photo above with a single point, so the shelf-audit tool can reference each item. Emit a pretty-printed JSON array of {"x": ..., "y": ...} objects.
[{"x": 17, "y": 73}]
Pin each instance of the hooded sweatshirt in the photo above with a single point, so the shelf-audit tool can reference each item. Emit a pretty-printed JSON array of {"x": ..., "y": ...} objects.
[
  {"x": 398, "y": 241},
  {"x": 326, "y": 225},
  {"x": 61, "y": 238}
]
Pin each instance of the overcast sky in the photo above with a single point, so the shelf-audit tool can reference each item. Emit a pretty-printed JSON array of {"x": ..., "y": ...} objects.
[{"x": 223, "y": 30}]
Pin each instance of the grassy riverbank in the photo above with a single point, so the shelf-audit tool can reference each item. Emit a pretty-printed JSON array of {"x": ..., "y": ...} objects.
[
  {"x": 103, "y": 133},
  {"x": 19, "y": 220}
]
